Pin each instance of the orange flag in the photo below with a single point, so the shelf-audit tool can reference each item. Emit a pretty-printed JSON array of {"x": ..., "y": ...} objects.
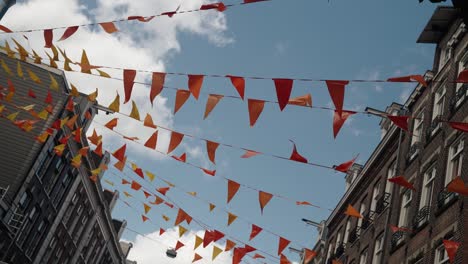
[
  {"x": 229, "y": 245},
  {"x": 135, "y": 186},
  {"x": 120, "y": 164},
  {"x": 120, "y": 153},
  {"x": 182, "y": 216},
  {"x": 283, "y": 243},
  {"x": 257, "y": 256},
  {"x": 352, "y": 212},
  {"x": 255, "y": 109},
  {"x": 157, "y": 84},
  {"x": 181, "y": 97},
  {"x": 144, "y": 218},
  {"x": 304, "y": 100},
  {"x": 109, "y": 27},
  {"x": 179, "y": 245},
  {"x": 163, "y": 190},
  {"x": 147, "y": 208},
  {"x": 148, "y": 122},
  {"x": 309, "y": 255},
  {"x": 196, "y": 258},
  {"x": 158, "y": 200},
  {"x": 195, "y": 83},
  {"x": 264, "y": 198},
  {"x": 344, "y": 167},
  {"x": 303, "y": 203},
  {"x": 68, "y": 32},
  {"x": 400, "y": 180},
  {"x": 409, "y": 78},
  {"x": 129, "y": 80},
  {"x": 284, "y": 260},
  {"x": 152, "y": 141},
  {"x": 249, "y": 154},
  {"x": 125, "y": 181},
  {"x": 339, "y": 120},
  {"x": 451, "y": 247},
  {"x": 111, "y": 124},
  {"x": 458, "y": 186},
  {"x": 213, "y": 100},
  {"x": 212, "y": 207},
  {"x": 337, "y": 91},
  {"x": 84, "y": 151},
  {"x": 296, "y": 156},
  {"x": 231, "y": 218},
  {"x": 283, "y": 91},
  {"x": 77, "y": 136},
  {"x": 176, "y": 138},
  {"x": 255, "y": 231},
  {"x": 98, "y": 149},
  {"x": 233, "y": 187},
  {"x": 211, "y": 149},
  {"x": 239, "y": 84}
]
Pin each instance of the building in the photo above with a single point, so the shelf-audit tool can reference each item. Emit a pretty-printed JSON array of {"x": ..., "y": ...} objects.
[
  {"x": 50, "y": 210},
  {"x": 429, "y": 157}
]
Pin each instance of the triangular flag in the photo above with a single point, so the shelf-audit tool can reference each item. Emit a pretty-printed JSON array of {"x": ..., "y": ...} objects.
[
  {"x": 48, "y": 99},
  {"x": 409, "y": 78},
  {"x": 339, "y": 120},
  {"x": 337, "y": 92},
  {"x": 77, "y": 136},
  {"x": 239, "y": 84},
  {"x": 195, "y": 83},
  {"x": 231, "y": 218},
  {"x": 451, "y": 247},
  {"x": 157, "y": 201},
  {"x": 345, "y": 166},
  {"x": 182, "y": 230},
  {"x": 76, "y": 161},
  {"x": 128, "y": 79},
  {"x": 48, "y": 37},
  {"x": 255, "y": 109},
  {"x": 127, "y": 194},
  {"x": 109, "y": 27},
  {"x": 150, "y": 175},
  {"x": 400, "y": 180},
  {"x": 211, "y": 149},
  {"x": 182, "y": 216},
  {"x": 152, "y": 141},
  {"x": 249, "y": 154},
  {"x": 144, "y": 218},
  {"x": 264, "y": 198},
  {"x": 93, "y": 96},
  {"x": 176, "y": 138},
  {"x": 53, "y": 83},
  {"x": 217, "y": 235},
  {"x": 135, "y": 186},
  {"x": 198, "y": 242},
  {"x": 125, "y": 181},
  {"x": 120, "y": 153},
  {"x": 157, "y": 84},
  {"x": 112, "y": 124},
  {"x": 283, "y": 243},
  {"x": 19, "y": 70},
  {"x": 163, "y": 190},
  {"x": 283, "y": 91},
  {"x": 284, "y": 260},
  {"x": 147, "y": 208},
  {"x": 213, "y": 100},
  {"x": 258, "y": 256},
  {"x": 179, "y": 245},
  {"x": 221, "y": 7},
  {"x": 42, "y": 137},
  {"x": 161, "y": 231},
  {"x": 229, "y": 245},
  {"x": 94, "y": 138},
  {"x": 115, "y": 105},
  {"x": 31, "y": 94},
  {"x": 303, "y": 203},
  {"x": 181, "y": 97},
  {"x": 400, "y": 121},
  {"x": 233, "y": 187},
  {"x": 463, "y": 76},
  {"x": 182, "y": 157},
  {"x": 135, "y": 114},
  {"x": 216, "y": 252},
  {"x": 255, "y": 231},
  {"x": 296, "y": 156},
  {"x": 98, "y": 149},
  {"x": 463, "y": 127},
  {"x": 309, "y": 255},
  {"x": 84, "y": 151},
  {"x": 59, "y": 149},
  {"x": 457, "y": 185},
  {"x": 212, "y": 207},
  {"x": 351, "y": 211},
  {"x": 74, "y": 92},
  {"x": 12, "y": 116},
  {"x": 209, "y": 172},
  {"x": 148, "y": 122},
  {"x": 147, "y": 194},
  {"x": 304, "y": 100},
  {"x": 120, "y": 164},
  {"x": 207, "y": 238},
  {"x": 165, "y": 218},
  {"x": 68, "y": 32},
  {"x": 196, "y": 257},
  {"x": 70, "y": 105}
]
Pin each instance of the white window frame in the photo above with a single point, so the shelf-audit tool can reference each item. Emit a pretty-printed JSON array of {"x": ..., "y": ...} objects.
[
  {"x": 375, "y": 196},
  {"x": 363, "y": 257},
  {"x": 455, "y": 158},
  {"x": 405, "y": 205},
  {"x": 462, "y": 65},
  {"x": 428, "y": 187},
  {"x": 378, "y": 249},
  {"x": 347, "y": 231},
  {"x": 441, "y": 252},
  {"x": 362, "y": 211},
  {"x": 338, "y": 240},
  {"x": 418, "y": 129},
  {"x": 445, "y": 55},
  {"x": 391, "y": 172}
]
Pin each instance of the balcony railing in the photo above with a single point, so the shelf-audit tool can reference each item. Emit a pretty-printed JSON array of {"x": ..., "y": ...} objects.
[
  {"x": 421, "y": 217},
  {"x": 397, "y": 237},
  {"x": 444, "y": 198},
  {"x": 382, "y": 203},
  {"x": 366, "y": 221},
  {"x": 414, "y": 150},
  {"x": 339, "y": 250},
  {"x": 460, "y": 96},
  {"x": 354, "y": 235}
]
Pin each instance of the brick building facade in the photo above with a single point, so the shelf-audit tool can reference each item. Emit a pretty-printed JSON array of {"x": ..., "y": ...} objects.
[{"x": 429, "y": 157}]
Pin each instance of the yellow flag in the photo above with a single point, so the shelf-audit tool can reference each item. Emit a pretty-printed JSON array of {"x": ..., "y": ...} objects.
[
  {"x": 64, "y": 121},
  {"x": 198, "y": 241},
  {"x": 135, "y": 114},
  {"x": 74, "y": 92},
  {"x": 84, "y": 63},
  {"x": 1, "y": 108},
  {"x": 9, "y": 96},
  {"x": 43, "y": 137},
  {"x": 10, "y": 52},
  {"x": 182, "y": 230},
  {"x": 71, "y": 122},
  {"x": 92, "y": 96},
  {"x": 216, "y": 252},
  {"x": 6, "y": 68},
  {"x": 52, "y": 64},
  {"x": 21, "y": 50},
  {"x": 109, "y": 182},
  {"x": 37, "y": 58},
  {"x": 66, "y": 63},
  {"x": 53, "y": 83},
  {"x": 169, "y": 183},
  {"x": 28, "y": 107},
  {"x": 33, "y": 76},
  {"x": 147, "y": 208},
  {"x": 192, "y": 193},
  {"x": 43, "y": 115},
  {"x": 212, "y": 206},
  {"x": 127, "y": 194},
  {"x": 13, "y": 116},
  {"x": 59, "y": 149},
  {"x": 19, "y": 70},
  {"x": 231, "y": 218},
  {"x": 115, "y": 105},
  {"x": 150, "y": 175},
  {"x": 165, "y": 218},
  {"x": 76, "y": 161},
  {"x": 55, "y": 52},
  {"x": 96, "y": 171},
  {"x": 103, "y": 74}
]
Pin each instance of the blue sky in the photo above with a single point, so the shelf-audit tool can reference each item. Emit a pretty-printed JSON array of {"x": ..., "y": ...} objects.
[{"x": 311, "y": 39}]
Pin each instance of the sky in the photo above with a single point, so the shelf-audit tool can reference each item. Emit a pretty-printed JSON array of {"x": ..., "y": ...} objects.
[{"x": 296, "y": 39}]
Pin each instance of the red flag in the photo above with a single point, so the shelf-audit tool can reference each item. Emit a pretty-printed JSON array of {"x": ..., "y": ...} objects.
[
  {"x": 257, "y": 256},
  {"x": 344, "y": 167},
  {"x": 144, "y": 218},
  {"x": 409, "y": 78},
  {"x": 451, "y": 247},
  {"x": 213, "y": 100},
  {"x": 5, "y": 29},
  {"x": 463, "y": 127},
  {"x": 255, "y": 231},
  {"x": 176, "y": 138},
  {"x": 218, "y": 6},
  {"x": 112, "y": 124},
  {"x": 196, "y": 257},
  {"x": 217, "y": 235},
  {"x": 351, "y": 211},
  {"x": 249, "y": 154},
  {"x": 238, "y": 255},
  {"x": 264, "y": 198},
  {"x": 284, "y": 260},
  {"x": 128, "y": 79},
  {"x": 211, "y": 149},
  {"x": 68, "y": 32},
  {"x": 70, "y": 105},
  {"x": 179, "y": 245},
  {"x": 48, "y": 37},
  {"x": 295, "y": 155},
  {"x": 77, "y": 137},
  {"x": 135, "y": 186},
  {"x": 400, "y": 180},
  {"x": 182, "y": 216},
  {"x": 463, "y": 77},
  {"x": 64, "y": 139},
  {"x": 140, "y": 18},
  {"x": 120, "y": 153},
  {"x": 399, "y": 121},
  {"x": 181, "y": 97},
  {"x": 98, "y": 149},
  {"x": 309, "y": 255},
  {"x": 161, "y": 231},
  {"x": 152, "y": 141},
  {"x": 157, "y": 84},
  {"x": 147, "y": 194},
  {"x": 229, "y": 245},
  {"x": 253, "y": 1},
  {"x": 195, "y": 83},
  {"x": 457, "y": 185},
  {"x": 182, "y": 158},
  {"x": 283, "y": 243},
  {"x": 208, "y": 238},
  {"x": 337, "y": 92},
  {"x": 209, "y": 172},
  {"x": 283, "y": 91},
  {"x": 31, "y": 93},
  {"x": 48, "y": 99},
  {"x": 125, "y": 181},
  {"x": 139, "y": 172},
  {"x": 163, "y": 190},
  {"x": 255, "y": 109},
  {"x": 239, "y": 84},
  {"x": 233, "y": 187},
  {"x": 339, "y": 120}
]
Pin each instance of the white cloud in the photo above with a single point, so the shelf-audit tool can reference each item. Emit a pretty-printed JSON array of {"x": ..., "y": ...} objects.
[{"x": 146, "y": 250}]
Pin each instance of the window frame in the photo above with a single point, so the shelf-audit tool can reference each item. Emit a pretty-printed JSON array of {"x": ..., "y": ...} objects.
[
  {"x": 405, "y": 207},
  {"x": 452, "y": 155}
]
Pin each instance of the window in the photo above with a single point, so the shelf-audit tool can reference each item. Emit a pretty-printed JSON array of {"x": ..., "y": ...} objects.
[
  {"x": 441, "y": 256},
  {"x": 330, "y": 250},
  {"x": 439, "y": 103},
  {"x": 378, "y": 248},
  {"x": 445, "y": 55},
  {"x": 463, "y": 65},
  {"x": 455, "y": 161},
  {"x": 363, "y": 257},
  {"x": 338, "y": 240},
  {"x": 417, "y": 129},
  {"x": 24, "y": 201},
  {"x": 362, "y": 211},
  {"x": 347, "y": 231},
  {"x": 375, "y": 196},
  {"x": 32, "y": 213},
  {"x": 428, "y": 187},
  {"x": 390, "y": 174},
  {"x": 405, "y": 208}
]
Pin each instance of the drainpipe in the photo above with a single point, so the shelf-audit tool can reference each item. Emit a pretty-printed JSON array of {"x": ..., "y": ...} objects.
[{"x": 5, "y": 5}]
